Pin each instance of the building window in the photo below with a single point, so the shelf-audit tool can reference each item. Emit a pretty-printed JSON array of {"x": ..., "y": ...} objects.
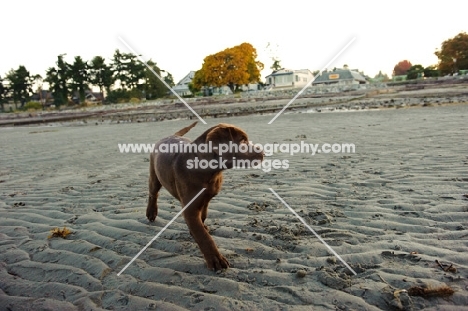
[{"x": 297, "y": 78}]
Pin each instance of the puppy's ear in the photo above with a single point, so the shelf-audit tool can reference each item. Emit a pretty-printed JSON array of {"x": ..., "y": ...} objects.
[{"x": 221, "y": 134}]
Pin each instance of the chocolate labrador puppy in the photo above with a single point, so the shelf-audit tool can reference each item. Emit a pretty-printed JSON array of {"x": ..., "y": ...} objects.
[{"x": 185, "y": 172}]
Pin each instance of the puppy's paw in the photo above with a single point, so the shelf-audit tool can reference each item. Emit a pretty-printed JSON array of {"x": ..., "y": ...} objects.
[
  {"x": 217, "y": 262},
  {"x": 151, "y": 215}
]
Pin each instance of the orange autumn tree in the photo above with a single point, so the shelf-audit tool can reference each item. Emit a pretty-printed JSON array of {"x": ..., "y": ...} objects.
[{"x": 233, "y": 67}]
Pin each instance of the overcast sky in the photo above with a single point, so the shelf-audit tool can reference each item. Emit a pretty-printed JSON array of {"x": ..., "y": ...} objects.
[{"x": 177, "y": 35}]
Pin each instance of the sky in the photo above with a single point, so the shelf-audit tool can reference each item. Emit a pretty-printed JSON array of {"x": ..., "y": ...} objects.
[{"x": 178, "y": 34}]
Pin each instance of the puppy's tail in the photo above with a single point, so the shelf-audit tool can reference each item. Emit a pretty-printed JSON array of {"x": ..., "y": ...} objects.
[{"x": 183, "y": 131}]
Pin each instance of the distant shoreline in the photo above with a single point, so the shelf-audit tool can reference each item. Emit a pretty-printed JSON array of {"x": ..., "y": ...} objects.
[{"x": 402, "y": 96}]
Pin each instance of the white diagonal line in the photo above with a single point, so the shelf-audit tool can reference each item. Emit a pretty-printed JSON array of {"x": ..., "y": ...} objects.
[
  {"x": 159, "y": 77},
  {"x": 313, "y": 231},
  {"x": 160, "y": 232},
  {"x": 312, "y": 81}
]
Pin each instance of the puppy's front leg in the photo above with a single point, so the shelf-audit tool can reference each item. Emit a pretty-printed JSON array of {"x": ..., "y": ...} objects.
[
  {"x": 192, "y": 215},
  {"x": 154, "y": 187},
  {"x": 204, "y": 213}
]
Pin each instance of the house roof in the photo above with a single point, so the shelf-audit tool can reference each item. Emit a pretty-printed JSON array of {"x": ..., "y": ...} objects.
[
  {"x": 284, "y": 71},
  {"x": 182, "y": 84},
  {"x": 97, "y": 95},
  {"x": 339, "y": 75},
  {"x": 280, "y": 72},
  {"x": 188, "y": 77}
]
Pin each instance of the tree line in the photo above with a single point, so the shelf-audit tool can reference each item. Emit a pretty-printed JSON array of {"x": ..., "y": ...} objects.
[
  {"x": 453, "y": 57},
  {"x": 406, "y": 69},
  {"x": 125, "y": 77}
]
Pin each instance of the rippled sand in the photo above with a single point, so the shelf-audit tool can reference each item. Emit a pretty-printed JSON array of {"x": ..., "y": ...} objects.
[{"x": 390, "y": 210}]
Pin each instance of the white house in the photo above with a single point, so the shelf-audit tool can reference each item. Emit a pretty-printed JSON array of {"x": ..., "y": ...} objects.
[
  {"x": 287, "y": 78},
  {"x": 181, "y": 87}
]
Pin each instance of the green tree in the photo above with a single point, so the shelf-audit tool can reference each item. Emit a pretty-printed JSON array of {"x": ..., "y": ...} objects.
[
  {"x": 272, "y": 50},
  {"x": 52, "y": 78},
  {"x": 153, "y": 87},
  {"x": 101, "y": 74},
  {"x": 79, "y": 78},
  {"x": 128, "y": 70},
  {"x": 276, "y": 65},
  {"x": 414, "y": 72},
  {"x": 20, "y": 82},
  {"x": 3, "y": 93},
  {"x": 118, "y": 68},
  {"x": 431, "y": 71},
  {"x": 169, "y": 79},
  {"x": 453, "y": 54},
  {"x": 194, "y": 90},
  {"x": 58, "y": 78},
  {"x": 38, "y": 82},
  {"x": 136, "y": 72}
]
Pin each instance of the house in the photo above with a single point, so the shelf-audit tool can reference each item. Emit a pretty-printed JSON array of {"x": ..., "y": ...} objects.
[
  {"x": 225, "y": 90},
  {"x": 181, "y": 87},
  {"x": 287, "y": 78},
  {"x": 90, "y": 96},
  {"x": 215, "y": 90},
  {"x": 44, "y": 97},
  {"x": 340, "y": 76},
  {"x": 94, "y": 96}
]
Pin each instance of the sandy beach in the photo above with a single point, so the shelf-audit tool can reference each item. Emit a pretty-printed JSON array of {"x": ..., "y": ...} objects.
[{"x": 396, "y": 211}]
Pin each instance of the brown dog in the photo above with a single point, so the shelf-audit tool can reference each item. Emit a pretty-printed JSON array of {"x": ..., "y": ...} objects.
[{"x": 179, "y": 174}]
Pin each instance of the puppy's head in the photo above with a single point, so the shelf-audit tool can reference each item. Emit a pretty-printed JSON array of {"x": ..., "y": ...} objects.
[{"x": 232, "y": 144}]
